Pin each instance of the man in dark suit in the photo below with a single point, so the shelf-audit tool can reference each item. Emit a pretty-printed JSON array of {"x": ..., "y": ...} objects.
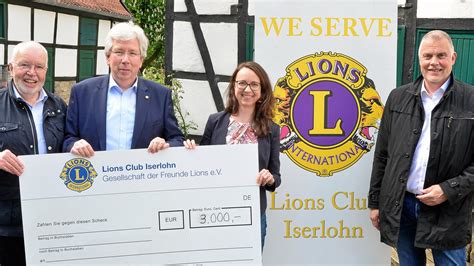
[{"x": 121, "y": 110}]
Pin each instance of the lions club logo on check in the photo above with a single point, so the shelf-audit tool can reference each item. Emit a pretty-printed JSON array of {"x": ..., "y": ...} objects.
[
  {"x": 78, "y": 174},
  {"x": 328, "y": 110}
]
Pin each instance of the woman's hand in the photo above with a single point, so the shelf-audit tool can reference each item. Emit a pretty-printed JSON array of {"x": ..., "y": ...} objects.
[
  {"x": 265, "y": 178},
  {"x": 189, "y": 144}
]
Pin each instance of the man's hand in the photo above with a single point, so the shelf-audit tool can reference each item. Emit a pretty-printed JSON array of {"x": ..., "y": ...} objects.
[
  {"x": 10, "y": 163},
  {"x": 432, "y": 196},
  {"x": 82, "y": 148},
  {"x": 157, "y": 144},
  {"x": 374, "y": 218}
]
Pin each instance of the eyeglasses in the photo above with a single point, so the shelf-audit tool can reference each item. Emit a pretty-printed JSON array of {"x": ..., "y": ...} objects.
[
  {"x": 242, "y": 85},
  {"x": 27, "y": 67},
  {"x": 121, "y": 54}
]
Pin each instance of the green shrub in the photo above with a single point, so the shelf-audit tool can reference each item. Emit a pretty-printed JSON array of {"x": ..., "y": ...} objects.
[{"x": 155, "y": 74}]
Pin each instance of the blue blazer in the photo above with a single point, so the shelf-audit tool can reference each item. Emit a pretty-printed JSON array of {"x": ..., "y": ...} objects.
[
  {"x": 268, "y": 149},
  {"x": 86, "y": 116}
]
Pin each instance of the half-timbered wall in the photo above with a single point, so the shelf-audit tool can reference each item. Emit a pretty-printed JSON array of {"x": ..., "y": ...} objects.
[
  {"x": 206, "y": 39},
  {"x": 74, "y": 40}
]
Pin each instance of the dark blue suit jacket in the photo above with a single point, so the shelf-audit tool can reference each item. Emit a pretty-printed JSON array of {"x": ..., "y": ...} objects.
[
  {"x": 268, "y": 149},
  {"x": 86, "y": 116}
]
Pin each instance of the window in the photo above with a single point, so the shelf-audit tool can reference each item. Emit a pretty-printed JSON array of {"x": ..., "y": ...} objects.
[
  {"x": 87, "y": 47},
  {"x": 2, "y": 18},
  {"x": 86, "y": 64},
  {"x": 88, "y": 31}
]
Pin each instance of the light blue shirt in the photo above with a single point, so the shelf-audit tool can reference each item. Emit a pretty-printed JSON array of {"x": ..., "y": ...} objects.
[
  {"x": 37, "y": 112},
  {"x": 120, "y": 116},
  {"x": 416, "y": 177}
]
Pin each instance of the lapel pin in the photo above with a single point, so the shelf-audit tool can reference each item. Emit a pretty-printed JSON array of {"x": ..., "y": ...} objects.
[{"x": 147, "y": 97}]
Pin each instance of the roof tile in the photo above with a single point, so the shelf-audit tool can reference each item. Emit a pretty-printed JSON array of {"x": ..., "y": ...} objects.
[{"x": 108, "y": 6}]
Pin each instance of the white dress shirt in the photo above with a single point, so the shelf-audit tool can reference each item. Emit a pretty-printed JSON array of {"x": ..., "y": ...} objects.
[
  {"x": 416, "y": 177},
  {"x": 120, "y": 116},
  {"x": 37, "y": 112}
]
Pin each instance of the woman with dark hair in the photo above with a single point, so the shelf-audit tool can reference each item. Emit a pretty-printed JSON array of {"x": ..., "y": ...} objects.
[{"x": 247, "y": 118}]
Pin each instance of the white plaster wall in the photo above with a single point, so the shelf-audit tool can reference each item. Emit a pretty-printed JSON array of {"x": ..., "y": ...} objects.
[
  {"x": 207, "y": 7},
  {"x": 186, "y": 55},
  {"x": 65, "y": 63},
  {"x": 44, "y": 26},
  {"x": 198, "y": 101},
  {"x": 10, "y": 53},
  {"x": 19, "y": 23},
  {"x": 104, "y": 28},
  {"x": 211, "y": 7},
  {"x": 68, "y": 28},
  {"x": 102, "y": 67},
  {"x": 2, "y": 53},
  {"x": 445, "y": 9},
  {"x": 223, "y": 90},
  {"x": 251, "y": 9},
  {"x": 222, "y": 43},
  {"x": 180, "y": 6}
]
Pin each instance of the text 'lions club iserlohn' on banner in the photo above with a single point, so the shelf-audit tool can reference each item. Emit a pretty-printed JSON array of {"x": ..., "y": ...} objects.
[{"x": 333, "y": 64}]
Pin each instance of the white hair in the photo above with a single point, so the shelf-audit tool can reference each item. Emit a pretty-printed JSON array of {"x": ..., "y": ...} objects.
[
  {"x": 21, "y": 47},
  {"x": 125, "y": 31}
]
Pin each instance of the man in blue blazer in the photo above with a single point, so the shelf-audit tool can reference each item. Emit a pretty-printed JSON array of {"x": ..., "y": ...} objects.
[{"x": 121, "y": 110}]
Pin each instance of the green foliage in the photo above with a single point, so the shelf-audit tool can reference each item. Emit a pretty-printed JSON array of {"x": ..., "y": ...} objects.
[
  {"x": 150, "y": 16},
  {"x": 153, "y": 73}
]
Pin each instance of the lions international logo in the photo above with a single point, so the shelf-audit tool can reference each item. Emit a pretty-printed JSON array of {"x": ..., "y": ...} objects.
[
  {"x": 78, "y": 174},
  {"x": 328, "y": 110}
]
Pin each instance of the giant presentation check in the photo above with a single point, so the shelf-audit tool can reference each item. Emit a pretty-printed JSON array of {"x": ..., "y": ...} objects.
[{"x": 131, "y": 207}]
